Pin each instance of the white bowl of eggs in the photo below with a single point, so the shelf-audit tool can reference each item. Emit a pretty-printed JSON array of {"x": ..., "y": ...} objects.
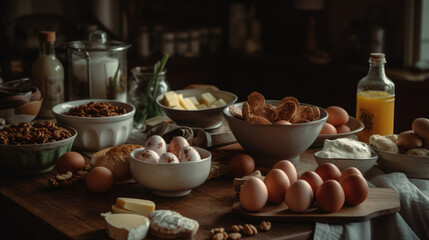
[{"x": 171, "y": 170}]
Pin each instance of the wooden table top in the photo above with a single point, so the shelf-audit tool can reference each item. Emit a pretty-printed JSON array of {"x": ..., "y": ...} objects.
[{"x": 74, "y": 213}]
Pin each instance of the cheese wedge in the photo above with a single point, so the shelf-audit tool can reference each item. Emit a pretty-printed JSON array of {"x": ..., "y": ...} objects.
[
  {"x": 219, "y": 103},
  {"x": 117, "y": 209},
  {"x": 208, "y": 99},
  {"x": 171, "y": 99},
  {"x": 140, "y": 206},
  {"x": 187, "y": 104},
  {"x": 122, "y": 226}
]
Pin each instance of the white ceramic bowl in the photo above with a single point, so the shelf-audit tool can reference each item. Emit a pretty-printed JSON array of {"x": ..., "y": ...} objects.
[
  {"x": 171, "y": 180},
  {"x": 96, "y": 133},
  {"x": 205, "y": 118},
  {"x": 412, "y": 166},
  {"x": 270, "y": 143},
  {"x": 355, "y": 126},
  {"x": 342, "y": 163}
]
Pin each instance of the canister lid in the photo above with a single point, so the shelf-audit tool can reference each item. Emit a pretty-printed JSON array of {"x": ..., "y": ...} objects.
[
  {"x": 98, "y": 42},
  {"x": 47, "y": 36}
]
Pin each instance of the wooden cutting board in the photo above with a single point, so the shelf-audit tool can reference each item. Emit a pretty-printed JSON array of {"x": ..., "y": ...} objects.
[{"x": 380, "y": 201}]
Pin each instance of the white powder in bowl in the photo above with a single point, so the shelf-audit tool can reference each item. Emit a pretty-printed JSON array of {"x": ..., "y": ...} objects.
[{"x": 345, "y": 148}]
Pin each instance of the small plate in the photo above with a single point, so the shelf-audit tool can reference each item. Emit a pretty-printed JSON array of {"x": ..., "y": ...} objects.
[
  {"x": 410, "y": 165},
  {"x": 355, "y": 126}
]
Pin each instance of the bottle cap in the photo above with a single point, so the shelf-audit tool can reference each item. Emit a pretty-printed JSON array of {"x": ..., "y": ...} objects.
[
  {"x": 47, "y": 36},
  {"x": 377, "y": 56}
]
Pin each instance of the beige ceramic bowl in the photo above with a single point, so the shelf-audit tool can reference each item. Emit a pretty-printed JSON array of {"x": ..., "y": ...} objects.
[
  {"x": 96, "y": 133},
  {"x": 342, "y": 163},
  {"x": 206, "y": 118},
  {"x": 355, "y": 126},
  {"x": 171, "y": 180},
  {"x": 270, "y": 143}
]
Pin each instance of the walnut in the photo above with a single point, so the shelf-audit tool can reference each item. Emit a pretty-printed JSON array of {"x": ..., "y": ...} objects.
[
  {"x": 265, "y": 225},
  {"x": 237, "y": 228},
  {"x": 68, "y": 179},
  {"x": 96, "y": 109},
  {"x": 234, "y": 236},
  {"x": 250, "y": 230},
  {"x": 217, "y": 230},
  {"x": 220, "y": 236}
]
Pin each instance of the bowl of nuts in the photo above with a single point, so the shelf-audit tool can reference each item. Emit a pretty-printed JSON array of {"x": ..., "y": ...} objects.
[
  {"x": 273, "y": 130},
  {"x": 100, "y": 123},
  {"x": 34, "y": 148}
]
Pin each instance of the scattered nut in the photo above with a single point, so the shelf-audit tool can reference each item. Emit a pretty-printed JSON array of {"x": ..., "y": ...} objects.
[
  {"x": 220, "y": 236},
  {"x": 234, "y": 236},
  {"x": 237, "y": 228},
  {"x": 265, "y": 225},
  {"x": 64, "y": 176},
  {"x": 250, "y": 230},
  {"x": 217, "y": 230}
]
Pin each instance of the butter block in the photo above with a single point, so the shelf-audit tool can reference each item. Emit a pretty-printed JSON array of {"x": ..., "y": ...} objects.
[
  {"x": 171, "y": 99},
  {"x": 194, "y": 100},
  {"x": 140, "y": 206},
  {"x": 208, "y": 99},
  {"x": 122, "y": 226},
  {"x": 201, "y": 106},
  {"x": 187, "y": 104},
  {"x": 219, "y": 103}
]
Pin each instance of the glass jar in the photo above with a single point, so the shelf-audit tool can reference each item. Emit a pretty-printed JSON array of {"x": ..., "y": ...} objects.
[
  {"x": 47, "y": 73},
  {"x": 97, "y": 68},
  {"x": 142, "y": 83},
  {"x": 375, "y": 100}
]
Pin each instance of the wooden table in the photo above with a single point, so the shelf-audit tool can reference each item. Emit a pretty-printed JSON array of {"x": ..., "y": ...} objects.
[{"x": 74, "y": 213}]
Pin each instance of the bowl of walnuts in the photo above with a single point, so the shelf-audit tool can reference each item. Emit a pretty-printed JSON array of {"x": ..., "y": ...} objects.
[
  {"x": 273, "y": 130},
  {"x": 34, "y": 148},
  {"x": 100, "y": 123}
]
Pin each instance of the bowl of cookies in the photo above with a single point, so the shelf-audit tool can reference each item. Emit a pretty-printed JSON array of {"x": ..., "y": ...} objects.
[
  {"x": 406, "y": 152},
  {"x": 196, "y": 107},
  {"x": 170, "y": 170},
  {"x": 34, "y": 148},
  {"x": 101, "y": 123},
  {"x": 273, "y": 130}
]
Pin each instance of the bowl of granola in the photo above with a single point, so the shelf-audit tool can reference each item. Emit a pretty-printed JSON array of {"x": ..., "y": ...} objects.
[
  {"x": 100, "y": 123},
  {"x": 34, "y": 148}
]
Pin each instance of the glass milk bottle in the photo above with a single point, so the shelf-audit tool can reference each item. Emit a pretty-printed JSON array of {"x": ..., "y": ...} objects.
[
  {"x": 375, "y": 101},
  {"x": 48, "y": 74}
]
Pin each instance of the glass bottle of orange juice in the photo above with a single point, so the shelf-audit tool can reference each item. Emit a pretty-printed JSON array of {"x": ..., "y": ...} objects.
[{"x": 375, "y": 101}]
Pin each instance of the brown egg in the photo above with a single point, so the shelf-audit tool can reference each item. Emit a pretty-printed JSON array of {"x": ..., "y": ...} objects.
[
  {"x": 313, "y": 179},
  {"x": 277, "y": 183},
  {"x": 299, "y": 196},
  {"x": 328, "y": 171},
  {"x": 253, "y": 194},
  {"x": 283, "y": 122},
  {"x": 343, "y": 129},
  {"x": 328, "y": 129},
  {"x": 99, "y": 179},
  {"x": 355, "y": 189},
  {"x": 330, "y": 196},
  {"x": 349, "y": 171},
  {"x": 408, "y": 139},
  {"x": 337, "y": 115},
  {"x": 70, "y": 161},
  {"x": 421, "y": 127},
  {"x": 241, "y": 165},
  {"x": 287, "y": 167}
]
